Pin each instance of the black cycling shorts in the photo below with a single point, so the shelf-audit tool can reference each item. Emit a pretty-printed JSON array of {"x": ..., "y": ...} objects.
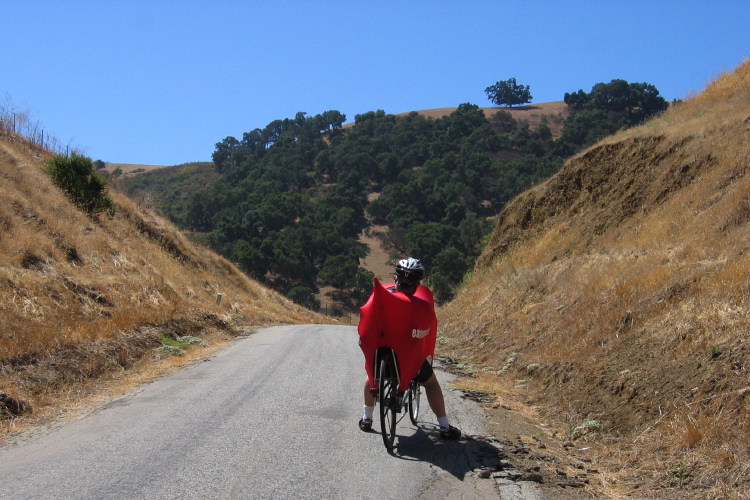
[{"x": 424, "y": 373}]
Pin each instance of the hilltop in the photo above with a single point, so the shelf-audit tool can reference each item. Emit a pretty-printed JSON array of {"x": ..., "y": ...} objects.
[
  {"x": 611, "y": 304},
  {"x": 91, "y": 298},
  {"x": 130, "y": 168},
  {"x": 552, "y": 113}
]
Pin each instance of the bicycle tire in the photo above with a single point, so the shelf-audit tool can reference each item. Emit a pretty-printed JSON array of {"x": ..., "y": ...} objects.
[
  {"x": 388, "y": 400},
  {"x": 414, "y": 398}
]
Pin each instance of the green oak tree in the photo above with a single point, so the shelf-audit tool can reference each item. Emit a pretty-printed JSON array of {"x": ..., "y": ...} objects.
[{"x": 508, "y": 93}]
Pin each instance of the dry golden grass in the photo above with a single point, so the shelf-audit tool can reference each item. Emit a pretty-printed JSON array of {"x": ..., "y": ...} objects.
[
  {"x": 626, "y": 278},
  {"x": 130, "y": 168},
  {"x": 83, "y": 298},
  {"x": 553, "y": 113}
]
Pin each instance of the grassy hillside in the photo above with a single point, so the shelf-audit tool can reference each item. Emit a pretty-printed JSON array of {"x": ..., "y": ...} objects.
[
  {"x": 84, "y": 297},
  {"x": 617, "y": 293},
  {"x": 166, "y": 190}
]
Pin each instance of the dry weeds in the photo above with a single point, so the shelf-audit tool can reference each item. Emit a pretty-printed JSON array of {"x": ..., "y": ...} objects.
[
  {"x": 625, "y": 281},
  {"x": 83, "y": 298}
]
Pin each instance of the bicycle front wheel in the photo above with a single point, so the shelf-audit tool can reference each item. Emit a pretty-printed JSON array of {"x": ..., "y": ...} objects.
[
  {"x": 414, "y": 397},
  {"x": 388, "y": 399}
]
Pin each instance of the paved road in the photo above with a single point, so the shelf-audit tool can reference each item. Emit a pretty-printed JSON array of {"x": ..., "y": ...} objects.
[{"x": 271, "y": 416}]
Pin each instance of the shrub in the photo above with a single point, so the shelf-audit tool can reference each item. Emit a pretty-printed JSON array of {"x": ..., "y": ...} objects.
[
  {"x": 305, "y": 297},
  {"x": 75, "y": 175}
]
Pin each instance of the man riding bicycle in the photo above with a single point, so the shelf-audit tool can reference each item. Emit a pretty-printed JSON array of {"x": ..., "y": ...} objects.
[{"x": 408, "y": 275}]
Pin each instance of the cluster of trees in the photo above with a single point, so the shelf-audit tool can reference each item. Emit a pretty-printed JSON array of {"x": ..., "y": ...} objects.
[
  {"x": 608, "y": 108},
  {"x": 638, "y": 100},
  {"x": 293, "y": 197},
  {"x": 283, "y": 223},
  {"x": 288, "y": 202}
]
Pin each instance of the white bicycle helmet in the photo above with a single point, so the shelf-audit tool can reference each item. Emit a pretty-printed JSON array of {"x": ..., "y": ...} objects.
[{"x": 409, "y": 271}]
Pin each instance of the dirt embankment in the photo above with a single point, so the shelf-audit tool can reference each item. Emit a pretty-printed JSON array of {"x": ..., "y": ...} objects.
[
  {"x": 86, "y": 297},
  {"x": 612, "y": 302}
]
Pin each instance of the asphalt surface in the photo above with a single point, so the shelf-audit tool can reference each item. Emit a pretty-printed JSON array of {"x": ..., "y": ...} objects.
[{"x": 273, "y": 415}]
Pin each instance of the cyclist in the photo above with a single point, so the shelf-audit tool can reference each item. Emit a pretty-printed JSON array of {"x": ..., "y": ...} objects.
[{"x": 408, "y": 275}]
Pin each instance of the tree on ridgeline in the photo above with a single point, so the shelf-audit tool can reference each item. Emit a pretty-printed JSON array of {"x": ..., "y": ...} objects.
[{"x": 508, "y": 93}]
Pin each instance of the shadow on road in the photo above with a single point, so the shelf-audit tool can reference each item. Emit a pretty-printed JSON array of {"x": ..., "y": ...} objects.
[{"x": 455, "y": 457}]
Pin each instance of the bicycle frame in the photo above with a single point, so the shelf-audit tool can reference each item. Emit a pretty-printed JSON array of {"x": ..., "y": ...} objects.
[{"x": 379, "y": 355}]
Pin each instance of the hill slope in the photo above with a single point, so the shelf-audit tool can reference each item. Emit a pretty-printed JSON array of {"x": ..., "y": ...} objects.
[
  {"x": 83, "y": 297},
  {"x": 617, "y": 292}
]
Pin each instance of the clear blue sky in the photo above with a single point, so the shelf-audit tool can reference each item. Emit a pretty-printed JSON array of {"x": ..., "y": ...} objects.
[{"x": 161, "y": 82}]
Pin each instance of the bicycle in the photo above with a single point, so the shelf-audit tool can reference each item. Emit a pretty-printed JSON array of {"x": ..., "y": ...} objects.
[
  {"x": 390, "y": 400},
  {"x": 397, "y": 332}
]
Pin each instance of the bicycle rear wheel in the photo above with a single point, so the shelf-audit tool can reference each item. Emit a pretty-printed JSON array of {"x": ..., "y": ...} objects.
[
  {"x": 388, "y": 399},
  {"x": 414, "y": 397}
]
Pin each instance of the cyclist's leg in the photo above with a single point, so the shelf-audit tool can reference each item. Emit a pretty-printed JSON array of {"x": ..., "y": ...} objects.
[
  {"x": 369, "y": 398},
  {"x": 434, "y": 394},
  {"x": 435, "y": 398},
  {"x": 365, "y": 422}
]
